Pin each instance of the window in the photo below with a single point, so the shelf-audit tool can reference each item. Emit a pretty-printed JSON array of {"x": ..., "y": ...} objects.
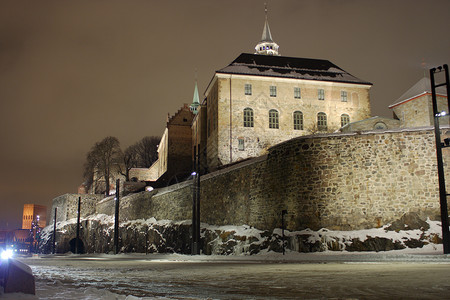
[
  {"x": 248, "y": 117},
  {"x": 241, "y": 144},
  {"x": 345, "y": 119},
  {"x": 298, "y": 120},
  {"x": 248, "y": 89},
  {"x": 321, "y": 94},
  {"x": 343, "y": 96},
  {"x": 322, "y": 121},
  {"x": 273, "y": 119},
  {"x": 273, "y": 91},
  {"x": 297, "y": 93}
]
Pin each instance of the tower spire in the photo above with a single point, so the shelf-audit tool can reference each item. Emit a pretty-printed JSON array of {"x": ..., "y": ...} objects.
[
  {"x": 266, "y": 46},
  {"x": 195, "y": 100}
]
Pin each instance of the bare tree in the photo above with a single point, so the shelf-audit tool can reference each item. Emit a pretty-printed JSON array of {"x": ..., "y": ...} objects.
[
  {"x": 314, "y": 129},
  {"x": 100, "y": 160},
  {"x": 130, "y": 160},
  {"x": 141, "y": 154},
  {"x": 148, "y": 151}
]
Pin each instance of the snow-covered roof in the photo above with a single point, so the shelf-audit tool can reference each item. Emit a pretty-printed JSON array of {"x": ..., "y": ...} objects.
[
  {"x": 289, "y": 67},
  {"x": 422, "y": 87}
]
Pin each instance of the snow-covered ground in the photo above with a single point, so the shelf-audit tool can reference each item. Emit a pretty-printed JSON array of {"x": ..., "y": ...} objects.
[{"x": 410, "y": 273}]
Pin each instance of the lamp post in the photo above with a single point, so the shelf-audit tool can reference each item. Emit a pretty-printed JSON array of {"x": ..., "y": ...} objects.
[
  {"x": 116, "y": 219},
  {"x": 283, "y": 213},
  {"x": 439, "y": 145},
  {"x": 54, "y": 232},
  {"x": 78, "y": 227}
]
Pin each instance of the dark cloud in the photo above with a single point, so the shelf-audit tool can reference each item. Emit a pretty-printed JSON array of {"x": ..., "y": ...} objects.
[{"x": 73, "y": 72}]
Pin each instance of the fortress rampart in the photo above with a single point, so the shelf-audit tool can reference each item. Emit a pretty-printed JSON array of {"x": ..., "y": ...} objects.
[{"x": 337, "y": 181}]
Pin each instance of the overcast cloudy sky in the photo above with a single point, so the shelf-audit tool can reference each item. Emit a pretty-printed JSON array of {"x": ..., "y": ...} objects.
[{"x": 74, "y": 72}]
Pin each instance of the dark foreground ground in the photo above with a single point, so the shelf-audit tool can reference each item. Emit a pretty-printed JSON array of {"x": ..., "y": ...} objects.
[{"x": 371, "y": 276}]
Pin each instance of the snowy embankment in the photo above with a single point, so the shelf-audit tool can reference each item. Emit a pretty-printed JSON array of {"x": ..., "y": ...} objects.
[{"x": 164, "y": 236}]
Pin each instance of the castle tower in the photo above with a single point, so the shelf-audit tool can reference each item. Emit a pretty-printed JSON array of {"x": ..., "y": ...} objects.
[
  {"x": 195, "y": 101},
  {"x": 266, "y": 46}
]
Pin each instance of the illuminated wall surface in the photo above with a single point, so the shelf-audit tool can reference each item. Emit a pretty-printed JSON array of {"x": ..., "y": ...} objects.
[{"x": 337, "y": 181}]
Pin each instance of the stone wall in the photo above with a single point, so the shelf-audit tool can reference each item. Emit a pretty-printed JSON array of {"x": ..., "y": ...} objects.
[
  {"x": 337, "y": 181},
  {"x": 67, "y": 206},
  {"x": 171, "y": 203}
]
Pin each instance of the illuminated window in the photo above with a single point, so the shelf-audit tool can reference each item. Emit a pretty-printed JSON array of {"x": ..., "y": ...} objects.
[
  {"x": 248, "y": 89},
  {"x": 343, "y": 96},
  {"x": 248, "y": 117},
  {"x": 273, "y": 119},
  {"x": 345, "y": 119},
  {"x": 322, "y": 121},
  {"x": 297, "y": 93},
  {"x": 321, "y": 94},
  {"x": 298, "y": 120},
  {"x": 273, "y": 91}
]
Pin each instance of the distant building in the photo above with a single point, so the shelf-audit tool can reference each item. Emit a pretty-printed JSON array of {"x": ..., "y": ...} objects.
[
  {"x": 262, "y": 99},
  {"x": 414, "y": 108},
  {"x": 34, "y": 213}
]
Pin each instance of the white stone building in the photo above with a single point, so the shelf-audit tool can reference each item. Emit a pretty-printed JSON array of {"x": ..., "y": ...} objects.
[{"x": 262, "y": 99}]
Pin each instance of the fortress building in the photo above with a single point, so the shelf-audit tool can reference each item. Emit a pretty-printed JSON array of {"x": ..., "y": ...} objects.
[
  {"x": 262, "y": 99},
  {"x": 281, "y": 115},
  {"x": 174, "y": 152},
  {"x": 414, "y": 108}
]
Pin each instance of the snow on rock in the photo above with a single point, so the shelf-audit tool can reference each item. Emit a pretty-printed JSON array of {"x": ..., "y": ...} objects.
[{"x": 165, "y": 236}]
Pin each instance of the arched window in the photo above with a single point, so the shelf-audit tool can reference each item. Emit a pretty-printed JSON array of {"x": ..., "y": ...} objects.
[
  {"x": 345, "y": 119},
  {"x": 273, "y": 119},
  {"x": 298, "y": 120},
  {"x": 248, "y": 117},
  {"x": 380, "y": 126},
  {"x": 322, "y": 121}
]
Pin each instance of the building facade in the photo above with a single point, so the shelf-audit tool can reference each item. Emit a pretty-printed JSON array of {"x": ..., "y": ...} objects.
[
  {"x": 174, "y": 161},
  {"x": 34, "y": 213},
  {"x": 262, "y": 99}
]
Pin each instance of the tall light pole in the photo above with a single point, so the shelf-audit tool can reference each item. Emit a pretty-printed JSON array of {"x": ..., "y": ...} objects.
[
  {"x": 54, "y": 232},
  {"x": 77, "y": 245},
  {"x": 116, "y": 219},
  {"x": 439, "y": 145}
]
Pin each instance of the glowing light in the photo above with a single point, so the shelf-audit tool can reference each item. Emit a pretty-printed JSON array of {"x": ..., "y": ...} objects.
[
  {"x": 441, "y": 114},
  {"x": 194, "y": 173},
  {"x": 7, "y": 254},
  {"x": 149, "y": 189}
]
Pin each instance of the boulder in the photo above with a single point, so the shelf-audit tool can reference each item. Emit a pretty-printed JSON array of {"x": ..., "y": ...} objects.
[{"x": 409, "y": 221}]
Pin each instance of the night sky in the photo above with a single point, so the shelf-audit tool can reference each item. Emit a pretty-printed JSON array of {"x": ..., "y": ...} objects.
[{"x": 74, "y": 72}]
